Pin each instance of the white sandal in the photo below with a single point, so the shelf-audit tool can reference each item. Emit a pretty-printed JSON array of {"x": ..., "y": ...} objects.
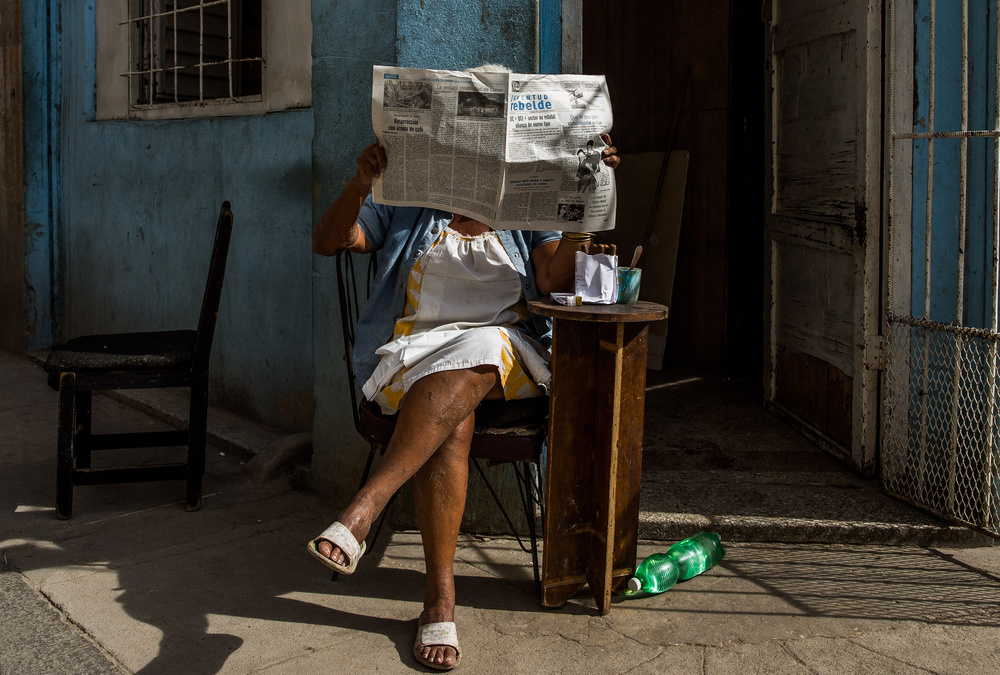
[
  {"x": 442, "y": 634},
  {"x": 340, "y": 537}
]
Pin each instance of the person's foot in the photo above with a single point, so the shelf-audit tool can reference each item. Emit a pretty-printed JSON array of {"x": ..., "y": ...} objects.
[
  {"x": 358, "y": 525},
  {"x": 438, "y": 654}
]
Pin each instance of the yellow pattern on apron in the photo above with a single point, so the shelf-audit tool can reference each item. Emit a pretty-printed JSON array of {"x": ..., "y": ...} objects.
[{"x": 463, "y": 298}]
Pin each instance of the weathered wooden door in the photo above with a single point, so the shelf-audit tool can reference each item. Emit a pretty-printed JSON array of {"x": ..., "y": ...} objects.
[
  {"x": 941, "y": 445},
  {"x": 822, "y": 224}
]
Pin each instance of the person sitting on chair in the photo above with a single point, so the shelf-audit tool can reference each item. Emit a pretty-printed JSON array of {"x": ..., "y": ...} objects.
[{"x": 452, "y": 293}]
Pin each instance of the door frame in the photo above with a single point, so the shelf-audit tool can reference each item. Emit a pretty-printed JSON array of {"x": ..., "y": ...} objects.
[{"x": 13, "y": 320}]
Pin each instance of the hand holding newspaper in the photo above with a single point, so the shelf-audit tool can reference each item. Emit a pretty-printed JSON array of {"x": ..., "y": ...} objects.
[{"x": 513, "y": 151}]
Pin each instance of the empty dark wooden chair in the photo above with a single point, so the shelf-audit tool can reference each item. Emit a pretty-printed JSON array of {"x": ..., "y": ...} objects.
[
  {"x": 507, "y": 432},
  {"x": 177, "y": 358}
]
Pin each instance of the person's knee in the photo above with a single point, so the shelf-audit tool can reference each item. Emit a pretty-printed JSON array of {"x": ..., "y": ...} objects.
[
  {"x": 459, "y": 441},
  {"x": 486, "y": 376},
  {"x": 449, "y": 465},
  {"x": 459, "y": 390},
  {"x": 489, "y": 381}
]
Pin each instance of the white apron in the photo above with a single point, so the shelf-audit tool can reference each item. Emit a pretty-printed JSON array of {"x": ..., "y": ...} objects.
[{"x": 466, "y": 291}]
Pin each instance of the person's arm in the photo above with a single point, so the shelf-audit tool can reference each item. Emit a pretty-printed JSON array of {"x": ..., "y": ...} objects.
[
  {"x": 554, "y": 262},
  {"x": 338, "y": 228}
]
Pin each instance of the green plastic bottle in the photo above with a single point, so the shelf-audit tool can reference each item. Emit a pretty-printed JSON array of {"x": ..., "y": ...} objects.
[{"x": 685, "y": 559}]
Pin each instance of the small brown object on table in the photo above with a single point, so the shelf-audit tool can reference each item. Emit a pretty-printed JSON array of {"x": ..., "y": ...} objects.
[{"x": 594, "y": 462}]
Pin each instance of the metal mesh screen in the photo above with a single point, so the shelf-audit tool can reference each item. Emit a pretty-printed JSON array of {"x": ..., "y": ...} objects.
[{"x": 941, "y": 447}]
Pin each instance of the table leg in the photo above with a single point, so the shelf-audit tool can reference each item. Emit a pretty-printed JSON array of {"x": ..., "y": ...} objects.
[
  {"x": 595, "y": 457},
  {"x": 569, "y": 474},
  {"x": 605, "y": 453},
  {"x": 632, "y": 406}
]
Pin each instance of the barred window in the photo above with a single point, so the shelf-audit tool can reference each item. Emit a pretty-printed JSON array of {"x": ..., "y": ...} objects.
[
  {"x": 194, "y": 50},
  {"x": 163, "y": 59}
]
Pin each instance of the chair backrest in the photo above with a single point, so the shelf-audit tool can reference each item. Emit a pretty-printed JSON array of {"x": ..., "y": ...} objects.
[
  {"x": 351, "y": 302},
  {"x": 213, "y": 289}
]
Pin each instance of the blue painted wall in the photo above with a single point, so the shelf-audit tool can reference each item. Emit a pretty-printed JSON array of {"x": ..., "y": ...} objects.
[
  {"x": 550, "y": 36},
  {"x": 138, "y": 206},
  {"x": 41, "y": 76},
  {"x": 342, "y": 64}
]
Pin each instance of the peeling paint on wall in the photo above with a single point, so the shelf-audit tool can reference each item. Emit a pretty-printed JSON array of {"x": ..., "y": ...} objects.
[{"x": 456, "y": 35}]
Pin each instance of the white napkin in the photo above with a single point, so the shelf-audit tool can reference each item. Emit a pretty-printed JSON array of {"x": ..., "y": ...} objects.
[{"x": 597, "y": 278}]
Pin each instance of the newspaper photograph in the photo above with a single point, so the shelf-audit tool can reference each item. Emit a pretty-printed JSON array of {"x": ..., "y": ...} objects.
[{"x": 514, "y": 151}]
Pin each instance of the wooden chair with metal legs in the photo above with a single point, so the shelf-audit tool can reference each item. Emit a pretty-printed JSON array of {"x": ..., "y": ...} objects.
[
  {"x": 176, "y": 358},
  {"x": 507, "y": 432}
]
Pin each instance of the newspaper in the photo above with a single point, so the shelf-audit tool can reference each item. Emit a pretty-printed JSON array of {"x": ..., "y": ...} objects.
[{"x": 514, "y": 151}]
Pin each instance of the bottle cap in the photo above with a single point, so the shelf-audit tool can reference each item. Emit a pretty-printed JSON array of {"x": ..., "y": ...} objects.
[{"x": 634, "y": 585}]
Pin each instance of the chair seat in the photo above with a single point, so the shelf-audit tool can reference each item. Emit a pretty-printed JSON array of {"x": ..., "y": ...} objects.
[
  {"x": 160, "y": 350},
  {"x": 519, "y": 412}
]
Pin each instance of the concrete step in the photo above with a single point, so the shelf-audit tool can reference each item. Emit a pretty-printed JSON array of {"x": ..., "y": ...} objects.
[{"x": 715, "y": 459}]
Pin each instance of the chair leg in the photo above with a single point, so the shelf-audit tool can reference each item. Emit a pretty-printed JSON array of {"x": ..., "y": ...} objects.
[
  {"x": 499, "y": 503},
  {"x": 527, "y": 502},
  {"x": 197, "y": 432},
  {"x": 66, "y": 433},
  {"x": 381, "y": 521},
  {"x": 368, "y": 465},
  {"x": 527, "y": 487},
  {"x": 84, "y": 428}
]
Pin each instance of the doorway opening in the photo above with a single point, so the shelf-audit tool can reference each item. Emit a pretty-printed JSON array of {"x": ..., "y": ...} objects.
[
  {"x": 714, "y": 457},
  {"x": 690, "y": 77}
]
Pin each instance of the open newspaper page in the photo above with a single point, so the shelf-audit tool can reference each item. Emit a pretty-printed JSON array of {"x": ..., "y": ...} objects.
[
  {"x": 443, "y": 134},
  {"x": 554, "y": 176},
  {"x": 512, "y": 151}
]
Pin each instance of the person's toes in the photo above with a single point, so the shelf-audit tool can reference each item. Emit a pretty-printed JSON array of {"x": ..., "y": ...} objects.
[
  {"x": 444, "y": 656},
  {"x": 430, "y": 654},
  {"x": 327, "y": 550}
]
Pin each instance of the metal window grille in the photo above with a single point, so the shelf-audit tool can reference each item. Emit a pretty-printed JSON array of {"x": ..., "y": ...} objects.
[
  {"x": 941, "y": 416},
  {"x": 192, "y": 51}
]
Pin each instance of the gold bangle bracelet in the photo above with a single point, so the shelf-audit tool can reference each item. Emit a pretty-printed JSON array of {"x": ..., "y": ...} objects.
[{"x": 580, "y": 237}]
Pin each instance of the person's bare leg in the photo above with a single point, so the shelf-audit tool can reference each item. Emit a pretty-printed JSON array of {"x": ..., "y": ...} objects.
[
  {"x": 439, "y": 489},
  {"x": 432, "y": 409}
]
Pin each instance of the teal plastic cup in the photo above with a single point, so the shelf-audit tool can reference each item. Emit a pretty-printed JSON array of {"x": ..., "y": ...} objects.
[{"x": 628, "y": 285}]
